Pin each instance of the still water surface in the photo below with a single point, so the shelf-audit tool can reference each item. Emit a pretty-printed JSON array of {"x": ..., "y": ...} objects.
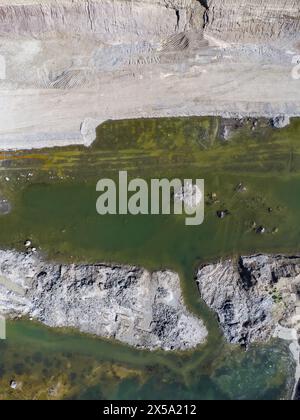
[{"x": 55, "y": 208}]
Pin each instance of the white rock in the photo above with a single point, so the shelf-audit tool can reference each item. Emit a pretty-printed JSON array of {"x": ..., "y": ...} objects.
[
  {"x": 13, "y": 384},
  {"x": 281, "y": 121},
  {"x": 88, "y": 130}
]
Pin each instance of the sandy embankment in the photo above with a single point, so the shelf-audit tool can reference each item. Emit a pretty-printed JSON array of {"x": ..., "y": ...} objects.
[{"x": 70, "y": 62}]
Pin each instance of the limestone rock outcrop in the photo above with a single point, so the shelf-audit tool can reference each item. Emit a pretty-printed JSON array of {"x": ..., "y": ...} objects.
[
  {"x": 253, "y": 295},
  {"x": 130, "y": 304}
]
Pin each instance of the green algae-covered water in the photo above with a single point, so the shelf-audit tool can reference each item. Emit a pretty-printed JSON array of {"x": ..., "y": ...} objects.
[
  {"x": 52, "y": 364},
  {"x": 53, "y": 194}
]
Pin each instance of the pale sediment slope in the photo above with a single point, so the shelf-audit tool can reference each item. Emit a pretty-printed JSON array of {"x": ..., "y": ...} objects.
[
  {"x": 129, "y": 304},
  {"x": 66, "y": 61}
]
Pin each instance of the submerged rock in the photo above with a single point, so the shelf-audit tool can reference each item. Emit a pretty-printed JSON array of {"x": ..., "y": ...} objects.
[
  {"x": 5, "y": 206},
  {"x": 222, "y": 213},
  {"x": 240, "y": 188},
  {"x": 130, "y": 304},
  {"x": 261, "y": 230}
]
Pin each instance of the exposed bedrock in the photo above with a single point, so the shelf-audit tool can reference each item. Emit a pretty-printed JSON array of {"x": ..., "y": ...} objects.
[
  {"x": 256, "y": 298},
  {"x": 253, "y": 20},
  {"x": 253, "y": 295},
  {"x": 129, "y": 304},
  {"x": 121, "y": 20},
  {"x": 110, "y": 20}
]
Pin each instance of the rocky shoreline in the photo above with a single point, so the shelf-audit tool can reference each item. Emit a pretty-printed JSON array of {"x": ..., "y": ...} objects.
[
  {"x": 129, "y": 304},
  {"x": 255, "y": 298}
]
